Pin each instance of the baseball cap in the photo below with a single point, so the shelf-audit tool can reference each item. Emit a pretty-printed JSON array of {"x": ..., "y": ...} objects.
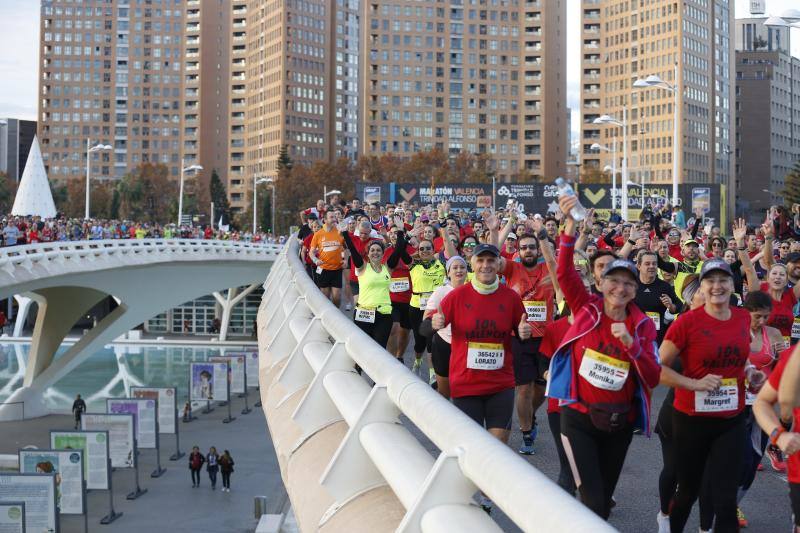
[
  {"x": 618, "y": 264},
  {"x": 691, "y": 241},
  {"x": 512, "y": 235},
  {"x": 793, "y": 257},
  {"x": 714, "y": 265},
  {"x": 484, "y": 248}
]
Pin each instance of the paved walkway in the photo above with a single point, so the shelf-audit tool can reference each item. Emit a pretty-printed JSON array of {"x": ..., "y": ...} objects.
[{"x": 171, "y": 504}]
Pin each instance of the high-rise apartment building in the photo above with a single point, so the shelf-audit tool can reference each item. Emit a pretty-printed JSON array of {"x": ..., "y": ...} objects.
[
  {"x": 110, "y": 72},
  {"x": 476, "y": 76},
  {"x": 16, "y": 137},
  {"x": 623, "y": 41},
  {"x": 767, "y": 114}
]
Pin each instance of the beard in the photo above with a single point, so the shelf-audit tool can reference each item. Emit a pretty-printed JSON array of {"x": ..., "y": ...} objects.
[{"x": 529, "y": 261}]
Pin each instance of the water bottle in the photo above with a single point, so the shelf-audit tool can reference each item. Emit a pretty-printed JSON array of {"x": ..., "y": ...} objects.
[{"x": 578, "y": 212}]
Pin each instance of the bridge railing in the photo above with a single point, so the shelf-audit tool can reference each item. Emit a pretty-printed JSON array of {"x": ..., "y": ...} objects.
[
  {"x": 315, "y": 347},
  {"x": 30, "y": 254}
]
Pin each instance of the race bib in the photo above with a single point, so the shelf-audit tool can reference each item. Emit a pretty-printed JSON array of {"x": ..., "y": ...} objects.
[
  {"x": 399, "y": 285},
  {"x": 602, "y": 371},
  {"x": 725, "y": 398},
  {"x": 536, "y": 309},
  {"x": 423, "y": 300},
  {"x": 365, "y": 315},
  {"x": 796, "y": 328},
  {"x": 485, "y": 355},
  {"x": 330, "y": 246},
  {"x": 656, "y": 318},
  {"x": 319, "y": 270}
]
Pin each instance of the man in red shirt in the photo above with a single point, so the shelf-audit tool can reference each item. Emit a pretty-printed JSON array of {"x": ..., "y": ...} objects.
[{"x": 533, "y": 281}]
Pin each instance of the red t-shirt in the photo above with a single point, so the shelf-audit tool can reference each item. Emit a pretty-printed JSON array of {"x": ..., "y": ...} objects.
[
  {"x": 781, "y": 316},
  {"x": 307, "y": 246},
  {"x": 400, "y": 275},
  {"x": 482, "y": 326},
  {"x": 711, "y": 346},
  {"x": 793, "y": 462},
  {"x": 553, "y": 336},
  {"x": 601, "y": 341},
  {"x": 536, "y": 288},
  {"x": 509, "y": 256}
]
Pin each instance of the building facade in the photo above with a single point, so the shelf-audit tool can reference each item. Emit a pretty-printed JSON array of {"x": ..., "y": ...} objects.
[
  {"x": 471, "y": 76},
  {"x": 16, "y": 137},
  {"x": 767, "y": 115},
  {"x": 630, "y": 40}
]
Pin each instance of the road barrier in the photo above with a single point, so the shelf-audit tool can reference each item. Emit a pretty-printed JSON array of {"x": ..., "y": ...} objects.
[{"x": 350, "y": 451}]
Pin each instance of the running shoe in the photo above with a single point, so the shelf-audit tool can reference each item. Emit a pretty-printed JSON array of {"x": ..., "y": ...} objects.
[
  {"x": 760, "y": 467},
  {"x": 486, "y": 504},
  {"x": 431, "y": 377},
  {"x": 417, "y": 365},
  {"x": 527, "y": 445},
  {"x": 663, "y": 522},
  {"x": 742, "y": 520},
  {"x": 776, "y": 458},
  {"x": 348, "y": 307}
]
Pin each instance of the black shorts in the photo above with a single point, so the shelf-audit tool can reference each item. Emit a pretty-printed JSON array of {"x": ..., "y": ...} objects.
[
  {"x": 794, "y": 497},
  {"x": 440, "y": 356},
  {"x": 489, "y": 410},
  {"x": 353, "y": 286},
  {"x": 329, "y": 278},
  {"x": 529, "y": 364},
  {"x": 400, "y": 314}
]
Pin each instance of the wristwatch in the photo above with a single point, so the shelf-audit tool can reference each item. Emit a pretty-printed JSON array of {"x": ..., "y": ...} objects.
[{"x": 777, "y": 432}]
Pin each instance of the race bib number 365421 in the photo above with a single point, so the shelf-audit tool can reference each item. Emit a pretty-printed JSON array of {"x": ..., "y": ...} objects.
[{"x": 485, "y": 355}]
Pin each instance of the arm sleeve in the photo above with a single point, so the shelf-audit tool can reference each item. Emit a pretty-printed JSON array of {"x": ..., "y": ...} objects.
[
  {"x": 402, "y": 245},
  {"x": 568, "y": 278},
  {"x": 394, "y": 257},
  {"x": 697, "y": 222},
  {"x": 355, "y": 255},
  {"x": 609, "y": 238},
  {"x": 654, "y": 222},
  {"x": 667, "y": 266}
]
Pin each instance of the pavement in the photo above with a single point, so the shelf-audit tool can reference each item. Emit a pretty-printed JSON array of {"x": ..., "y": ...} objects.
[{"x": 170, "y": 502}]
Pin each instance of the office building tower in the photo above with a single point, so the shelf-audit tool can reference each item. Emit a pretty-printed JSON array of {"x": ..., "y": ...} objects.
[{"x": 16, "y": 137}]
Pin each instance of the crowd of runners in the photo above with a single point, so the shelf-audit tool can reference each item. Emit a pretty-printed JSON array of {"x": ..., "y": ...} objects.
[{"x": 514, "y": 310}]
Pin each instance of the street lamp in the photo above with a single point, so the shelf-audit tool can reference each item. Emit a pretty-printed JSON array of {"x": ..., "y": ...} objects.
[
  {"x": 89, "y": 150},
  {"x": 185, "y": 169},
  {"x": 607, "y": 119},
  {"x": 256, "y": 183},
  {"x": 654, "y": 81},
  {"x": 271, "y": 181},
  {"x": 613, "y": 169}
]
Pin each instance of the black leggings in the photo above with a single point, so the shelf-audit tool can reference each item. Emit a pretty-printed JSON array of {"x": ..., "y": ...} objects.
[
  {"x": 195, "y": 476},
  {"x": 421, "y": 342},
  {"x": 565, "y": 478},
  {"x": 378, "y": 330},
  {"x": 226, "y": 480},
  {"x": 596, "y": 458},
  {"x": 440, "y": 356},
  {"x": 707, "y": 443}
]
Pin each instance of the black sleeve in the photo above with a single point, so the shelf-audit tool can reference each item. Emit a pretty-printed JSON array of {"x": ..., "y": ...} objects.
[
  {"x": 402, "y": 245},
  {"x": 736, "y": 265},
  {"x": 655, "y": 223},
  {"x": 609, "y": 238},
  {"x": 667, "y": 266},
  {"x": 397, "y": 253},
  {"x": 355, "y": 255},
  {"x": 697, "y": 222}
]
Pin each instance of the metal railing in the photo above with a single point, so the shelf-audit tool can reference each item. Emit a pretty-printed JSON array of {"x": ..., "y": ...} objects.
[
  {"x": 320, "y": 345},
  {"x": 43, "y": 253}
]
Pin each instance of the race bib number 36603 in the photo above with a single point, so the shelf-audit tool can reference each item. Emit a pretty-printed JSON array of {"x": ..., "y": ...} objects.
[
  {"x": 725, "y": 398},
  {"x": 536, "y": 309},
  {"x": 602, "y": 371},
  {"x": 485, "y": 355}
]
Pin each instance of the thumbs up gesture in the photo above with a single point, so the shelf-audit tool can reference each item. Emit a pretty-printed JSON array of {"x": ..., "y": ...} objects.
[
  {"x": 524, "y": 329},
  {"x": 437, "y": 320},
  {"x": 620, "y": 331}
]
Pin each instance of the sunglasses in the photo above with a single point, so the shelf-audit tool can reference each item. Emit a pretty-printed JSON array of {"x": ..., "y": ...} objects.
[
  {"x": 469, "y": 245},
  {"x": 425, "y": 249},
  {"x": 528, "y": 247}
]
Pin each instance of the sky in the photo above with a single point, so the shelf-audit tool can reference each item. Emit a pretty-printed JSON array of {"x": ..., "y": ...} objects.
[{"x": 19, "y": 53}]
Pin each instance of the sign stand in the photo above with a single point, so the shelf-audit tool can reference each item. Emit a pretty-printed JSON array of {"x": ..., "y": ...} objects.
[
  {"x": 258, "y": 402},
  {"x": 246, "y": 409},
  {"x": 112, "y": 515},
  {"x": 230, "y": 418},
  {"x": 85, "y": 508},
  {"x": 208, "y": 408},
  {"x": 178, "y": 453},
  {"x": 138, "y": 491},
  {"x": 158, "y": 471}
]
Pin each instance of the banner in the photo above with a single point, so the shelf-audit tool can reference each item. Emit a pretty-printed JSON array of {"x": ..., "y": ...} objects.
[
  {"x": 12, "y": 517},
  {"x": 534, "y": 197},
  {"x": 251, "y": 367},
  {"x": 38, "y": 491},
  {"x": 237, "y": 373},
  {"x": 94, "y": 445},
  {"x": 67, "y": 465},
  {"x": 121, "y": 438},
  {"x": 208, "y": 381},
  {"x": 144, "y": 418},
  {"x": 167, "y": 405},
  {"x": 460, "y": 195}
]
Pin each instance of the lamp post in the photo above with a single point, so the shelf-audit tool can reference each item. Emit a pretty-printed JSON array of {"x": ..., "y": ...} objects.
[
  {"x": 271, "y": 181},
  {"x": 607, "y": 119},
  {"x": 656, "y": 82},
  {"x": 613, "y": 152},
  {"x": 90, "y": 150},
  {"x": 256, "y": 183},
  {"x": 185, "y": 169}
]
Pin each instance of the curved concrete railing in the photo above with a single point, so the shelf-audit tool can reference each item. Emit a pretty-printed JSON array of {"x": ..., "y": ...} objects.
[{"x": 348, "y": 459}]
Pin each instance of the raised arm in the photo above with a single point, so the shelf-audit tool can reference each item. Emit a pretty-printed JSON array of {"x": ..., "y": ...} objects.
[
  {"x": 512, "y": 219},
  {"x": 740, "y": 233},
  {"x": 355, "y": 255},
  {"x": 585, "y": 230},
  {"x": 568, "y": 278},
  {"x": 769, "y": 235},
  {"x": 399, "y": 253}
]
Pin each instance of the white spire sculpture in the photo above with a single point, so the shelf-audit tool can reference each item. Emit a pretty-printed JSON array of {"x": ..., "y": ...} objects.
[{"x": 33, "y": 195}]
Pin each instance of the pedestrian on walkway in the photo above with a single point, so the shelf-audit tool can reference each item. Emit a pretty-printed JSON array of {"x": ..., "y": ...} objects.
[
  {"x": 226, "y": 469},
  {"x": 196, "y": 461},
  {"x": 212, "y": 466},
  {"x": 78, "y": 408}
]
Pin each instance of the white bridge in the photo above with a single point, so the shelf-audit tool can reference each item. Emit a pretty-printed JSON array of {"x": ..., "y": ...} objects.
[
  {"x": 348, "y": 459},
  {"x": 144, "y": 276}
]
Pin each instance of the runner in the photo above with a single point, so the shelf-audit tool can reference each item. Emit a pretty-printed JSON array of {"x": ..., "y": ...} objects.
[
  {"x": 483, "y": 315},
  {"x": 783, "y": 431},
  {"x": 427, "y": 273},
  {"x": 360, "y": 243},
  {"x": 326, "y": 249},
  {"x": 654, "y": 296},
  {"x": 305, "y": 255},
  {"x": 708, "y": 425},
  {"x": 399, "y": 291},
  {"x": 440, "y": 345},
  {"x": 602, "y": 372}
]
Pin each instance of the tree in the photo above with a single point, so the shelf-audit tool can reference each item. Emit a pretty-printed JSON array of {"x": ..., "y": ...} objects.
[
  {"x": 285, "y": 162},
  {"x": 147, "y": 194},
  {"x": 7, "y": 191},
  {"x": 791, "y": 191},
  {"x": 222, "y": 208}
]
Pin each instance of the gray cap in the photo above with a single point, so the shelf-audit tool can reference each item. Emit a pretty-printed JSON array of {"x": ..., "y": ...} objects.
[
  {"x": 715, "y": 265},
  {"x": 617, "y": 264}
]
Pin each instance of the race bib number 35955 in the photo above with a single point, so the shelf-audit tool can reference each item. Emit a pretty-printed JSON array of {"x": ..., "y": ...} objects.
[
  {"x": 602, "y": 371},
  {"x": 485, "y": 355}
]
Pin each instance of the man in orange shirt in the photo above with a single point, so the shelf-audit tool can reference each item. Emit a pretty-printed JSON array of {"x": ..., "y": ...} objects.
[{"x": 326, "y": 250}]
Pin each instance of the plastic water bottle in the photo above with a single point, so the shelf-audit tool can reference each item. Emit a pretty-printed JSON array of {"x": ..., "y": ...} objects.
[{"x": 578, "y": 212}]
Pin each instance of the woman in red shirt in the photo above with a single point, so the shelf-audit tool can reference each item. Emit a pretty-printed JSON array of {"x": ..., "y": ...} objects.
[
  {"x": 708, "y": 423},
  {"x": 602, "y": 371}
]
